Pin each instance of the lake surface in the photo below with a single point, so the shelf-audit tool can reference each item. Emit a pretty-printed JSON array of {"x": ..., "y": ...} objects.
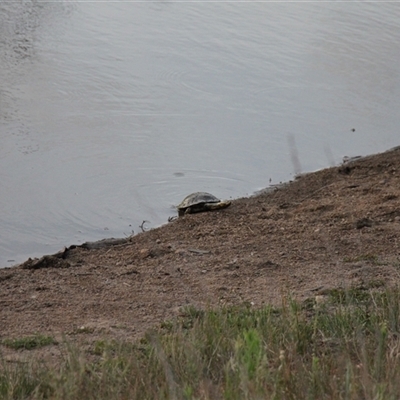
[{"x": 112, "y": 112}]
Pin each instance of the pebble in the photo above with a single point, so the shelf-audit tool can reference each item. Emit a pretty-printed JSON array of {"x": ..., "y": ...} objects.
[{"x": 144, "y": 253}]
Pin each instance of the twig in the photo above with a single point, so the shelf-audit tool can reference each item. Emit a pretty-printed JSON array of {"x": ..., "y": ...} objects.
[{"x": 141, "y": 226}]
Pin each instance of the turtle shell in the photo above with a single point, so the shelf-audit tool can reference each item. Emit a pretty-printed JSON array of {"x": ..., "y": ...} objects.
[{"x": 197, "y": 199}]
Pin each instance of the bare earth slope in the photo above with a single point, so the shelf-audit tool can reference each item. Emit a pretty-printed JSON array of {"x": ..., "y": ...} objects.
[{"x": 338, "y": 227}]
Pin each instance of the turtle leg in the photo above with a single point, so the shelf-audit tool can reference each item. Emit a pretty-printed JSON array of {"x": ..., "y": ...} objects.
[{"x": 217, "y": 206}]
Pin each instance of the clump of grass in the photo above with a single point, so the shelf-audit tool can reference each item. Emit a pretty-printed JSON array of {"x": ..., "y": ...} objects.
[
  {"x": 28, "y": 342},
  {"x": 371, "y": 258},
  {"x": 345, "y": 348}
]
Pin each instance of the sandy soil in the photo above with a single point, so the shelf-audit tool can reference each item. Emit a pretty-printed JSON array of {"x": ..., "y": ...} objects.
[{"x": 338, "y": 227}]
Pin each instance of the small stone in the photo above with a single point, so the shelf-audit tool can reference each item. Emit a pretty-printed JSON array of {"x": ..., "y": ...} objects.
[
  {"x": 144, "y": 253},
  {"x": 363, "y": 222}
]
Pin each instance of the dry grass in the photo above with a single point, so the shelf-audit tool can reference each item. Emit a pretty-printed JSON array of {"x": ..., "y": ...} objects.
[{"x": 341, "y": 346}]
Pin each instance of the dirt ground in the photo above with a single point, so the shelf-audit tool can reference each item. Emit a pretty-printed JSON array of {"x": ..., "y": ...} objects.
[{"x": 338, "y": 227}]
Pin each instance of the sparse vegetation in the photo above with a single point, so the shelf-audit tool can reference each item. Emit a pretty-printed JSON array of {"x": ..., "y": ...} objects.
[
  {"x": 346, "y": 347},
  {"x": 29, "y": 342},
  {"x": 372, "y": 258}
]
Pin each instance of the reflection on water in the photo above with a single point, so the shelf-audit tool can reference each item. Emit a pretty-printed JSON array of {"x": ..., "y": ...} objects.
[{"x": 110, "y": 113}]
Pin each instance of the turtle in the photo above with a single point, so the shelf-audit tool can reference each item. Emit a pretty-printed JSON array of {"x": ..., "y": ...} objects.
[{"x": 199, "y": 202}]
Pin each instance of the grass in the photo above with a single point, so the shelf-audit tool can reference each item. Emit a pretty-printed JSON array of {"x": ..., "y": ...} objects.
[
  {"x": 371, "y": 258},
  {"x": 347, "y": 347},
  {"x": 29, "y": 342}
]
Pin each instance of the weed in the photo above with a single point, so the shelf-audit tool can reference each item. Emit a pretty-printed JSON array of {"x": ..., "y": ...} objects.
[
  {"x": 29, "y": 342},
  {"x": 371, "y": 258},
  {"x": 347, "y": 347}
]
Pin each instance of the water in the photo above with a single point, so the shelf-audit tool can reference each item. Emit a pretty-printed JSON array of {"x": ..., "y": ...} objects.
[{"x": 112, "y": 112}]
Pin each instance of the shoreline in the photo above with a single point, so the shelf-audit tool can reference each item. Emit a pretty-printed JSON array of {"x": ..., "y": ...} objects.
[{"x": 36, "y": 262}]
